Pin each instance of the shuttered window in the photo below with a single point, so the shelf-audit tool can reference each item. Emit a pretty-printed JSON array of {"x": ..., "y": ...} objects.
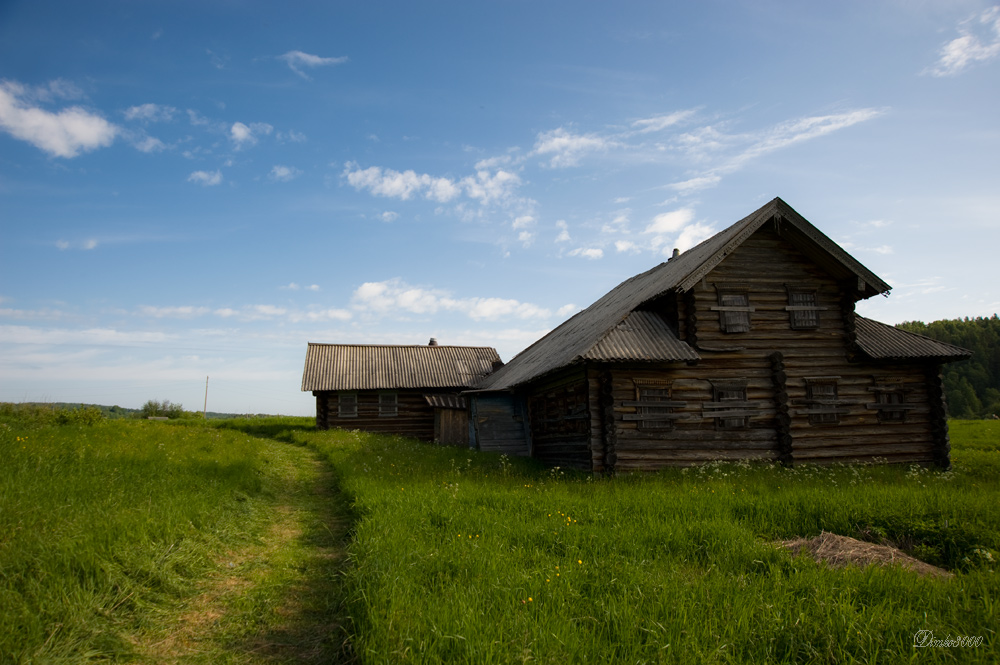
[
  {"x": 733, "y": 308},
  {"x": 802, "y": 310},
  {"x": 821, "y": 396},
  {"x": 388, "y": 405},
  {"x": 890, "y": 399},
  {"x": 347, "y": 405},
  {"x": 655, "y": 406},
  {"x": 730, "y": 398}
]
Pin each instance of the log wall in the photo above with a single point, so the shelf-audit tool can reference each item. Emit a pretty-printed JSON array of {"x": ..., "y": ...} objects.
[
  {"x": 560, "y": 418},
  {"x": 415, "y": 417},
  {"x": 777, "y": 363},
  {"x": 499, "y": 422}
]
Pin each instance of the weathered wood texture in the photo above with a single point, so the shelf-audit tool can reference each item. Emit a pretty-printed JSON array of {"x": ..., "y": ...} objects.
[
  {"x": 777, "y": 364},
  {"x": 499, "y": 421},
  {"x": 414, "y": 416},
  {"x": 561, "y": 424},
  {"x": 451, "y": 427}
]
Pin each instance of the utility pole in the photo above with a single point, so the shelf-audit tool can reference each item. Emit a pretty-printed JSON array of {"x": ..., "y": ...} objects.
[{"x": 204, "y": 412}]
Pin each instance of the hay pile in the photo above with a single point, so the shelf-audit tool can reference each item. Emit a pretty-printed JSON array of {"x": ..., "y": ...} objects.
[{"x": 840, "y": 551}]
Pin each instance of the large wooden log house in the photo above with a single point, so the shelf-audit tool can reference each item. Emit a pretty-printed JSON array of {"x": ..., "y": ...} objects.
[
  {"x": 746, "y": 346},
  {"x": 395, "y": 389}
]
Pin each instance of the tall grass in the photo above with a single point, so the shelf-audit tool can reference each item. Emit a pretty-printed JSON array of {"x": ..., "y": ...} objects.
[
  {"x": 102, "y": 522},
  {"x": 467, "y": 557}
]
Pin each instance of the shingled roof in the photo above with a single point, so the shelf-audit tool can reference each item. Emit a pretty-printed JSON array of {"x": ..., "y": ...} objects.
[
  {"x": 393, "y": 367},
  {"x": 616, "y": 328}
]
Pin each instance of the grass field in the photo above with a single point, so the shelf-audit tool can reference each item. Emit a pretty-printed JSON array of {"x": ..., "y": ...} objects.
[
  {"x": 463, "y": 557},
  {"x": 131, "y": 541}
]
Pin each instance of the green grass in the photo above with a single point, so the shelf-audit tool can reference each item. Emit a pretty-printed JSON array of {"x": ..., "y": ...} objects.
[
  {"x": 467, "y": 557},
  {"x": 107, "y": 526},
  {"x": 117, "y": 536}
]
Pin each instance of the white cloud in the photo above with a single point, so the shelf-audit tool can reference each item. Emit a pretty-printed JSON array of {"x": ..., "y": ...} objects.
[
  {"x": 525, "y": 237},
  {"x": 627, "y": 246},
  {"x": 694, "y": 184},
  {"x": 483, "y": 187},
  {"x": 150, "y": 113},
  {"x": 64, "y": 134},
  {"x": 245, "y": 136},
  {"x": 395, "y": 296},
  {"x": 661, "y": 122},
  {"x": 182, "y": 312},
  {"x": 567, "y": 149},
  {"x": 148, "y": 144},
  {"x": 296, "y": 60},
  {"x": 566, "y": 310},
  {"x": 670, "y": 222},
  {"x": 523, "y": 222},
  {"x": 321, "y": 315},
  {"x": 206, "y": 178},
  {"x": 389, "y": 216},
  {"x": 284, "y": 173},
  {"x": 588, "y": 253},
  {"x": 291, "y": 135},
  {"x": 979, "y": 42},
  {"x": 89, "y": 243},
  {"x": 313, "y": 287},
  {"x": 292, "y": 286},
  {"x": 563, "y": 231},
  {"x": 693, "y": 234}
]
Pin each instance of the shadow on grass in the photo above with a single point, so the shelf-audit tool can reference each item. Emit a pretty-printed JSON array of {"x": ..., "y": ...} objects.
[{"x": 278, "y": 429}]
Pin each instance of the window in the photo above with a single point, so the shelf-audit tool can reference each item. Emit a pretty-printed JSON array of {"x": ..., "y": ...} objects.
[
  {"x": 890, "y": 400},
  {"x": 654, "y": 406},
  {"x": 347, "y": 405},
  {"x": 802, "y": 310},
  {"x": 388, "y": 406},
  {"x": 734, "y": 309},
  {"x": 730, "y": 409},
  {"x": 822, "y": 402}
]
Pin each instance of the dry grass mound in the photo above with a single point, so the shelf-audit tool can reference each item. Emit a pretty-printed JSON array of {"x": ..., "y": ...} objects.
[{"x": 840, "y": 551}]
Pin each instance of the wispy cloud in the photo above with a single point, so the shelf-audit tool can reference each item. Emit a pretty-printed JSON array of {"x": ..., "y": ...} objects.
[
  {"x": 587, "y": 252},
  {"x": 206, "y": 178},
  {"x": 484, "y": 187},
  {"x": 395, "y": 296},
  {"x": 150, "y": 113},
  {"x": 979, "y": 41},
  {"x": 87, "y": 244},
  {"x": 661, "y": 122},
  {"x": 283, "y": 173},
  {"x": 65, "y": 133},
  {"x": 297, "y": 60},
  {"x": 563, "y": 148}
]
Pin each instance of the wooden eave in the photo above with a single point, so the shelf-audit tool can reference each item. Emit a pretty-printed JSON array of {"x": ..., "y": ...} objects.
[{"x": 803, "y": 235}]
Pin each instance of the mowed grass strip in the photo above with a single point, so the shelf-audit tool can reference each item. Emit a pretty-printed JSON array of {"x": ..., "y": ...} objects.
[
  {"x": 131, "y": 541},
  {"x": 465, "y": 557}
]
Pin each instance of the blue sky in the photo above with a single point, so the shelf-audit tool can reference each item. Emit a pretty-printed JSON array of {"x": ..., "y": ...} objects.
[{"x": 192, "y": 189}]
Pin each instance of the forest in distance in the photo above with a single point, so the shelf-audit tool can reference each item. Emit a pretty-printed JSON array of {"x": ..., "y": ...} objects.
[{"x": 972, "y": 386}]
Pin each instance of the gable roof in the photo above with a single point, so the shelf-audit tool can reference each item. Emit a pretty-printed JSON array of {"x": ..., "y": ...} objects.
[
  {"x": 616, "y": 328},
  {"x": 392, "y": 367}
]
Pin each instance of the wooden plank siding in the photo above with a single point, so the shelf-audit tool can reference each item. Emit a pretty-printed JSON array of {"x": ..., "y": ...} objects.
[{"x": 499, "y": 423}]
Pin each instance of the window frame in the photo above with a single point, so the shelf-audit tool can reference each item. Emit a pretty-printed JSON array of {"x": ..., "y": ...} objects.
[
  {"x": 651, "y": 391},
  {"x": 890, "y": 392},
  {"x": 816, "y": 399},
  {"x": 351, "y": 401},
  {"x": 803, "y": 315},
  {"x": 732, "y": 390},
  {"x": 388, "y": 408}
]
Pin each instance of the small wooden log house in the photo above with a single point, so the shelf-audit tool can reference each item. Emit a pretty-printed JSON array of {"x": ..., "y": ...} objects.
[
  {"x": 746, "y": 346},
  {"x": 394, "y": 389}
]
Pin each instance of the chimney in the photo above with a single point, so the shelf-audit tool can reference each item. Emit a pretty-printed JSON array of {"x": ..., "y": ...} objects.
[
  {"x": 497, "y": 364},
  {"x": 433, "y": 342},
  {"x": 676, "y": 253}
]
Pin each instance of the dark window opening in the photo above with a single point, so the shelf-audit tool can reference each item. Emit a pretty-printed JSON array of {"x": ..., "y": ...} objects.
[
  {"x": 347, "y": 405},
  {"x": 388, "y": 406},
  {"x": 654, "y": 408}
]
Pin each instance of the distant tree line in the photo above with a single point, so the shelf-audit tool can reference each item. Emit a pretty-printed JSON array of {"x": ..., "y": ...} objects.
[{"x": 972, "y": 386}]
